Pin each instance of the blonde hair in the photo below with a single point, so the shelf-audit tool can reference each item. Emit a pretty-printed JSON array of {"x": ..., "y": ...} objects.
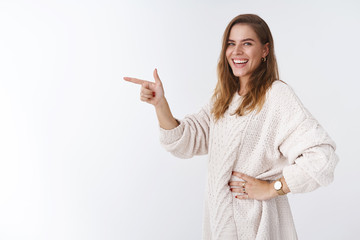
[{"x": 260, "y": 80}]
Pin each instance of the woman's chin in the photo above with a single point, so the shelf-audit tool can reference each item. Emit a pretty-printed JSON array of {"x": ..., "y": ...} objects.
[{"x": 239, "y": 75}]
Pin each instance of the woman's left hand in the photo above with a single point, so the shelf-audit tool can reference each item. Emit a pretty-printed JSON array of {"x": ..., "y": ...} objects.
[{"x": 252, "y": 188}]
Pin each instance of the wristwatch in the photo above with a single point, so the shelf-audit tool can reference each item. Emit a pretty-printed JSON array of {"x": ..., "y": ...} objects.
[{"x": 278, "y": 187}]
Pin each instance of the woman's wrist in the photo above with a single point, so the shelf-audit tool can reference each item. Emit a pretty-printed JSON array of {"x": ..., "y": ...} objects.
[
  {"x": 272, "y": 192},
  {"x": 284, "y": 188}
]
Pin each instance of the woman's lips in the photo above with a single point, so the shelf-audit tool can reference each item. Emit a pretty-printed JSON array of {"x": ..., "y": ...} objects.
[{"x": 241, "y": 64}]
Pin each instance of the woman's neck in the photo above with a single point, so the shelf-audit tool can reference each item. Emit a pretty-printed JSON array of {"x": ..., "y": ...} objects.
[{"x": 243, "y": 86}]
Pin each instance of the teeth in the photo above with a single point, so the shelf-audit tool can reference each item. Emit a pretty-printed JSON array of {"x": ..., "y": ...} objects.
[{"x": 240, "y": 61}]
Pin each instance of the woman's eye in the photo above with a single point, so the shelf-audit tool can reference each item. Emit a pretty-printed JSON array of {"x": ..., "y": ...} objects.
[
  {"x": 247, "y": 44},
  {"x": 230, "y": 43}
]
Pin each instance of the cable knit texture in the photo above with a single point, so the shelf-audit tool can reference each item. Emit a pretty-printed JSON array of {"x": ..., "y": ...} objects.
[{"x": 283, "y": 139}]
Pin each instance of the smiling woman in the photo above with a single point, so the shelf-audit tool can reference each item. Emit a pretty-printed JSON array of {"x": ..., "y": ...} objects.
[{"x": 262, "y": 142}]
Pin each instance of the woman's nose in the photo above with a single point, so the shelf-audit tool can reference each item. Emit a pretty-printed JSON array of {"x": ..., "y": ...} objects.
[{"x": 238, "y": 49}]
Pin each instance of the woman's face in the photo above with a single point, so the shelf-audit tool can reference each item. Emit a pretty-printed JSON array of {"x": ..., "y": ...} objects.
[{"x": 244, "y": 51}]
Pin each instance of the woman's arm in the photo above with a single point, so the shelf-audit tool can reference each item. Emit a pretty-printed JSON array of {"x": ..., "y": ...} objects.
[
  {"x": 299, "y": 139},
  {"x": 190, "y": 137},
  {"x": 184, "y": 138},
  {"x": 165, "y": 118}
]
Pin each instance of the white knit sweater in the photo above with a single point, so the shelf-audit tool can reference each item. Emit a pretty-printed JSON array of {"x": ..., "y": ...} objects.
[{"x": 283, "y": 139}]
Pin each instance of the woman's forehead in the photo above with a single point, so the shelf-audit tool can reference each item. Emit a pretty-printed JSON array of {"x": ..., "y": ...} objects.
[{"x": 242, "y": 31}]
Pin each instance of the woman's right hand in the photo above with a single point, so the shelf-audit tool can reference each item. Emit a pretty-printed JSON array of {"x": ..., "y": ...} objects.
[{"x": 152, "y": 93}]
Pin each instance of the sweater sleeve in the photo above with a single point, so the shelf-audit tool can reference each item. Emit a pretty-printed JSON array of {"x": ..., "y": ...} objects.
[
  {"x": 304, "y": 143},
  {"x": 311, "y": 154},
  {"x": 189, "y": 138}
]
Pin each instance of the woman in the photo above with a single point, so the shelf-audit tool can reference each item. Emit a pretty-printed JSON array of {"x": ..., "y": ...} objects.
[{"x": 262, "y": 142}]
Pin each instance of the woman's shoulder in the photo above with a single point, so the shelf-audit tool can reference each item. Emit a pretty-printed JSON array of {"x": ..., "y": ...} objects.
[
  {"x": 279, "y": 88},
  {"x": 282, "y": 96}
]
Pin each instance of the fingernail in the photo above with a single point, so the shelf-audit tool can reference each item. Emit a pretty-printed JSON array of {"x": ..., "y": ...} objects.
[
  {"x": 153, "y": 94},
  {"x": 235, "y": 196}
]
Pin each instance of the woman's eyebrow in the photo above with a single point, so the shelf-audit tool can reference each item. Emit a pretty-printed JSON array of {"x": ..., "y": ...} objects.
[
  {"x": 248, "y": 39},
  {"x": 244, "y": 40}
]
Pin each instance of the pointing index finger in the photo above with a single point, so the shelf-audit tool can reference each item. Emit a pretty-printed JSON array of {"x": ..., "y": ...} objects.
[{"x": 135, "y": 80}]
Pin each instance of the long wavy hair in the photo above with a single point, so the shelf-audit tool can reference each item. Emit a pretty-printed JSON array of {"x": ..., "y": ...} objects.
[{"x": 260, "y": 80}]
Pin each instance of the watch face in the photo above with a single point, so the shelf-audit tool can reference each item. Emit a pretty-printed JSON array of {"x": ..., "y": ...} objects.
[{"x": 277, "y": 185}]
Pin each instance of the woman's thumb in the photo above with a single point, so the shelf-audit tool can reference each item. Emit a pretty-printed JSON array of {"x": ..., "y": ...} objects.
[{"x": 156, "y": 76}]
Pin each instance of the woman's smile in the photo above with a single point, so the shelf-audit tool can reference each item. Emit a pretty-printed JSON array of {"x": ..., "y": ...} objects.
[{"x": 239, "y": 62}]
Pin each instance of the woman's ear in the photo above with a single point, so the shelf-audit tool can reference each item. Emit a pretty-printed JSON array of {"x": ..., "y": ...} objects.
[{"x": 266, "y": 49}]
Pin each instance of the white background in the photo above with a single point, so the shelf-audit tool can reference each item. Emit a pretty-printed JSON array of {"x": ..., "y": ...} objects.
[{"x": 80, "y": 156}]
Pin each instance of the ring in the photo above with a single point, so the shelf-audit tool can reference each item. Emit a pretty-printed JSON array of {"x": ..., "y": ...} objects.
[{"x": 244, "y": 191}]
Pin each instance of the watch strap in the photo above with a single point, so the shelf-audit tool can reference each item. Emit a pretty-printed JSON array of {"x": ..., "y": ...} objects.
[{"x": 280, "y": 192}]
